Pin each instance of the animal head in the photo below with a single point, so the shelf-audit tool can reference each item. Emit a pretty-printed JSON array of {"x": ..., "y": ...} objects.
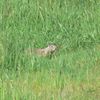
[{"x": 52, "y": 47}]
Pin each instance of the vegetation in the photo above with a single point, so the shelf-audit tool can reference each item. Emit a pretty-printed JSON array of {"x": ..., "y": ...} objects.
[{"x": 73, "y": 72}]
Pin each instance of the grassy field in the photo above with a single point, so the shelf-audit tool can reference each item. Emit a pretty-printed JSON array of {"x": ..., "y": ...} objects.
[{"x": 73, "y": 72}]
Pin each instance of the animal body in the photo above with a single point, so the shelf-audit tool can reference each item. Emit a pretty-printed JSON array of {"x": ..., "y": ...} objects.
[{"x": 49, "y": 50}]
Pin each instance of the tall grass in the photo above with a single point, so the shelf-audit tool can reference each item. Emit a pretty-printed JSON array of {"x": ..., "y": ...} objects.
[{"x": 73, "y": 72}]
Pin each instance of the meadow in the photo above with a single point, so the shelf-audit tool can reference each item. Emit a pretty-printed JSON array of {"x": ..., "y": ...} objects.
[{"x": 73, "y": 72}]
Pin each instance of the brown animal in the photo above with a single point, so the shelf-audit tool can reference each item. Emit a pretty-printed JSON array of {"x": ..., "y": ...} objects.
[{"x": 42, "y": 51}]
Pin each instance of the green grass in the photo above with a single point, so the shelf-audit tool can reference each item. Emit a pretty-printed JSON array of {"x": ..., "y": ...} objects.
[{"x": 73, "y": 72}]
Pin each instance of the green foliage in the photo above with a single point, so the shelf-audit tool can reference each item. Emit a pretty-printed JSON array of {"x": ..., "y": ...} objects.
[
  {"x": 73, "y": 25},
  {"x": 34, "y": 23}
]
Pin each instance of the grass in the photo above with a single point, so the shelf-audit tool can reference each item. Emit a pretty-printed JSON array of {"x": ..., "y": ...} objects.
[{"x": 73, "y": 73}]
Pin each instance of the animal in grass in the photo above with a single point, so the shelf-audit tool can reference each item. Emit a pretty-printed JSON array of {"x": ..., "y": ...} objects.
[{"x": 47, "y": 51}]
